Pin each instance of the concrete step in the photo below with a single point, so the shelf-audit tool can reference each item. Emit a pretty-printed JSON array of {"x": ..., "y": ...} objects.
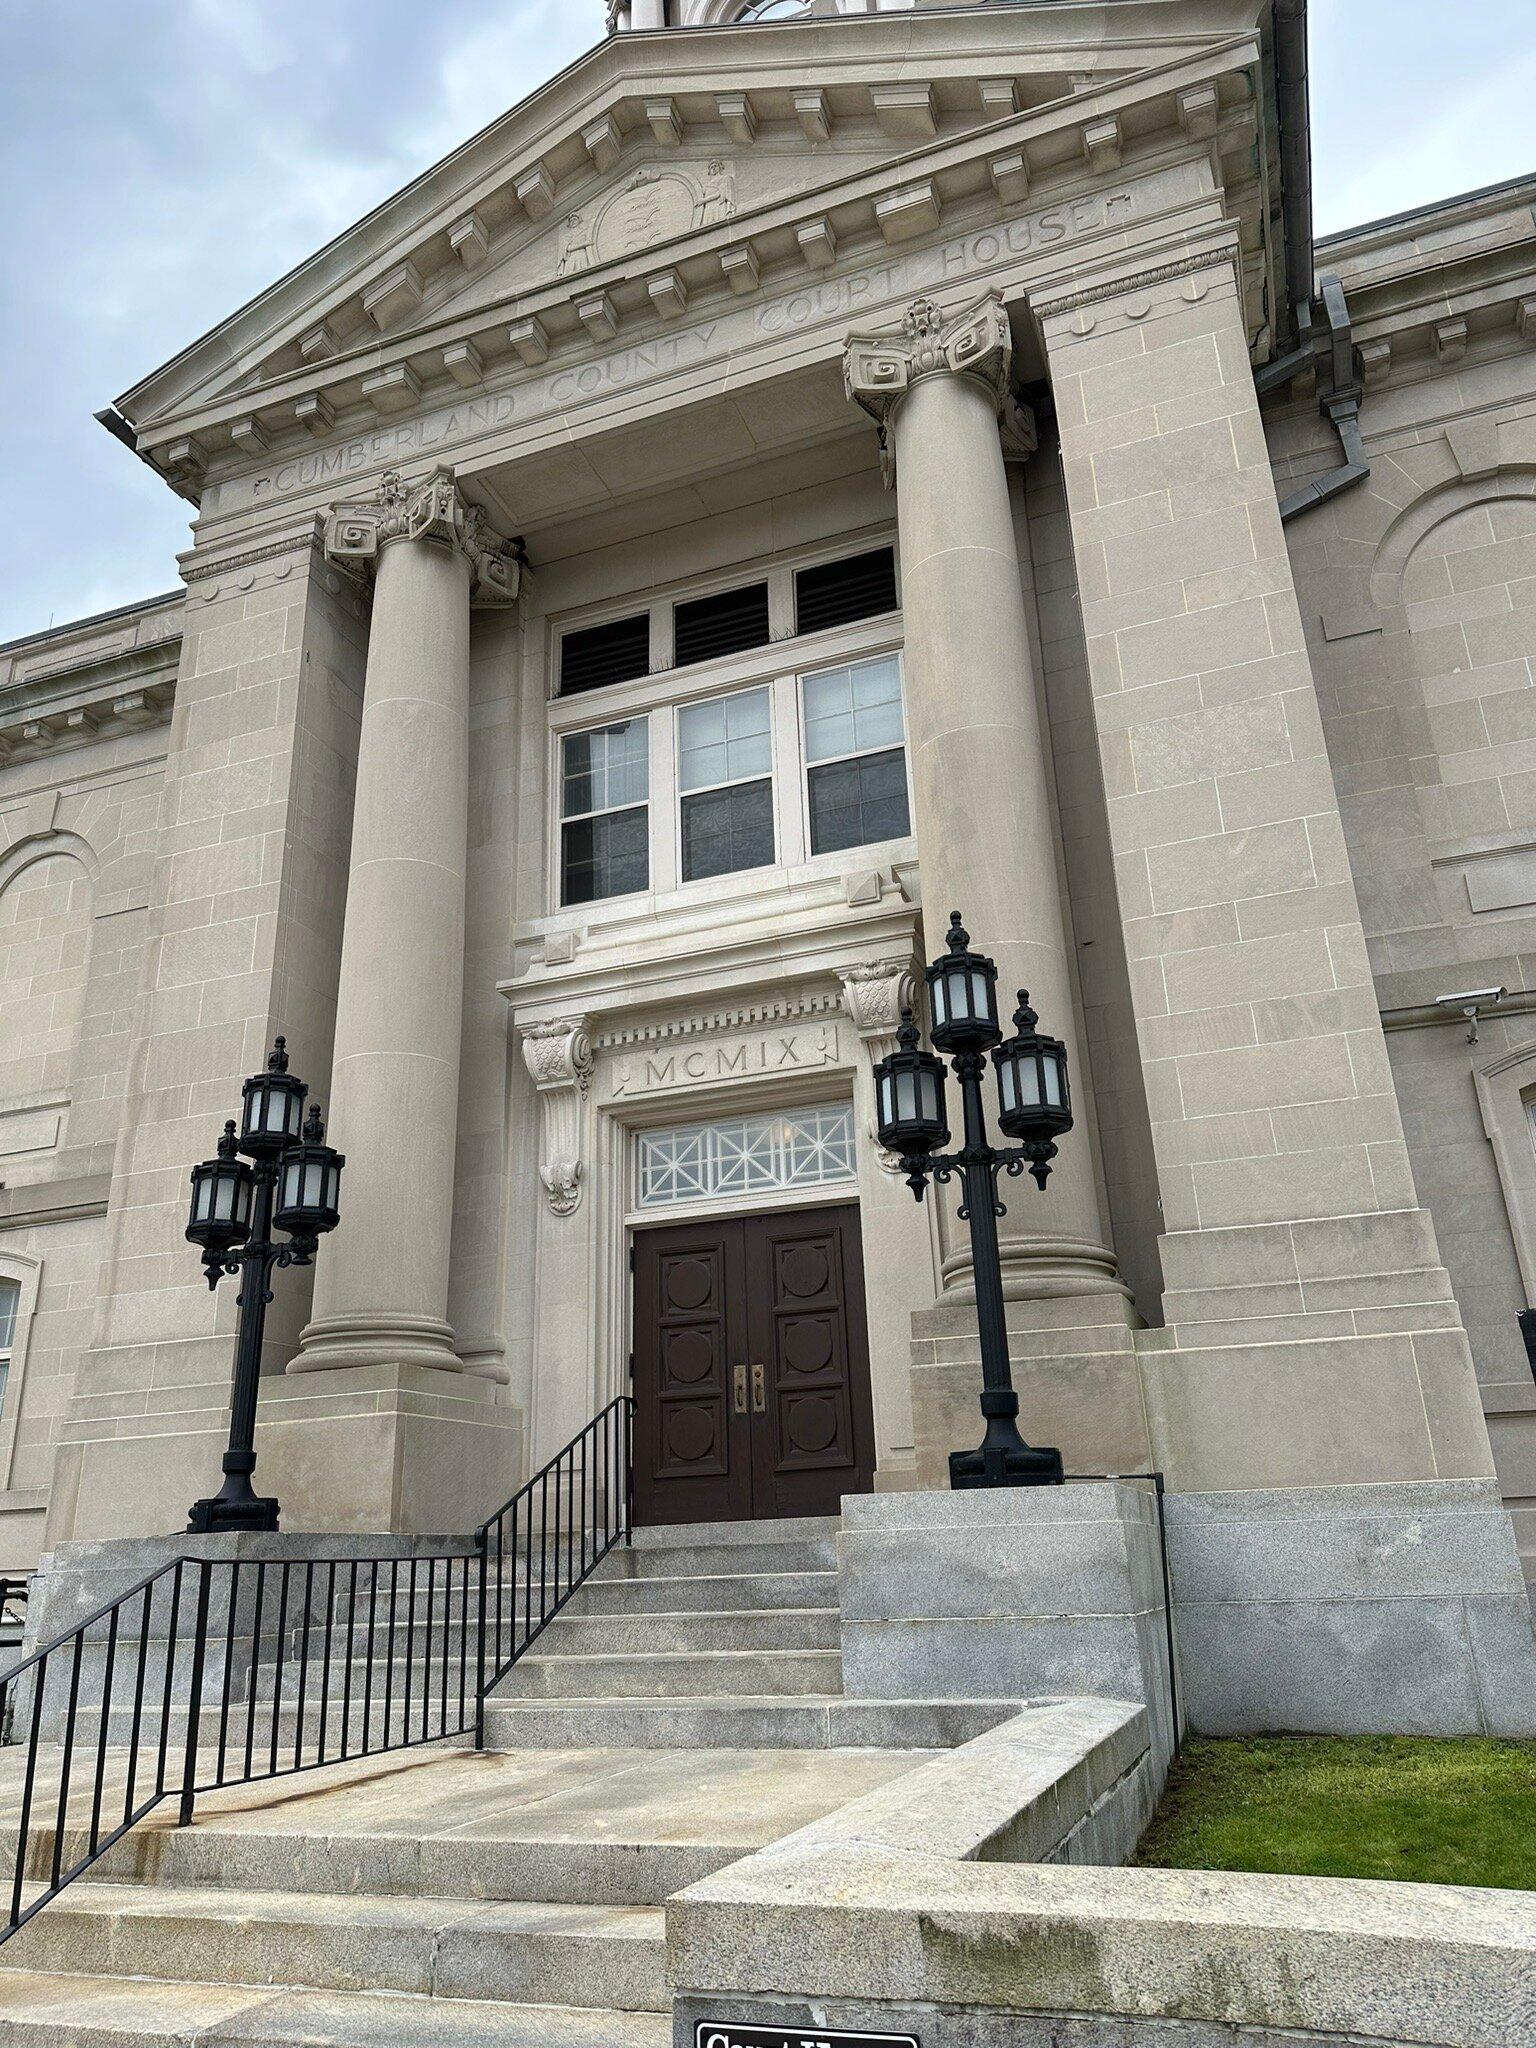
[
  {"x": 38, "y": 2011},
  {"x": 609, "y": 1957},
  {"x": 740, "y": 1723},
  {"x": 716, "y": 1592},
  {"x": 677, "y": 1675}
]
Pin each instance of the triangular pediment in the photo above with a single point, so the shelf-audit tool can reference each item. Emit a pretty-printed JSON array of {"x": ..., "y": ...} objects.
[{"x": 657, "y": 171}]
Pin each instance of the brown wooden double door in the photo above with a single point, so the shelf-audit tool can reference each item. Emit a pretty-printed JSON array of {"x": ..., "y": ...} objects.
[{"x": 751, "y": 1367}]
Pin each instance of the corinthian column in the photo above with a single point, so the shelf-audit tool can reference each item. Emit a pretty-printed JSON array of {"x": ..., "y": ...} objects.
[
  {"x": 986, "y": 841},
  {"x": 381, "y": 1292}
]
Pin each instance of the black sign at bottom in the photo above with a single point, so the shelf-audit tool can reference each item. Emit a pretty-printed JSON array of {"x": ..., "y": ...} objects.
[{"x": 722, "y": 2034}]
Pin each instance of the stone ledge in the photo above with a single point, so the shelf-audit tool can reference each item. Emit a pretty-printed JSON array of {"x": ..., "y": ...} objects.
[{"x": 1257, "y": 1958}]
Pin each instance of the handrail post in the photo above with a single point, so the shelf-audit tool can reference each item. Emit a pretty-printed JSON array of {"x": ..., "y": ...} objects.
[
  {"x": 482, "y": 1542},
  {"x": 629, "y": 1471},
  {"x": 195, "y": 1703}
]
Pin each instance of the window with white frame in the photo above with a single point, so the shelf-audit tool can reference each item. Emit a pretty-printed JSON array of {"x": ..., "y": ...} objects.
[
  {"x": 10, "y": 1310},
  {"x": 800, "y": 766},
  {"x": 725, "y": 784},
  {"x": 744, "y": 1156},
  {"x": 604, "y": 812},
  {"x": 855, "y": 755}
]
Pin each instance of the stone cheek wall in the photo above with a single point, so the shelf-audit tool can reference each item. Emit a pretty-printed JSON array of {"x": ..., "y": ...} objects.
[
  {"x": 1418, "y": 596},
  {"x": 927, "y": 1909}
]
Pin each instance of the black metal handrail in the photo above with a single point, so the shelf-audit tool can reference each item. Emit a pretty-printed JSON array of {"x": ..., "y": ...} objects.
[
  {"x": 213, "y": 1673},
  {"x": 572, "y": 1513}
]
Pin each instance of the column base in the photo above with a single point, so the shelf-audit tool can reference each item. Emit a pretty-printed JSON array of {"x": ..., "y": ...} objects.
[
  {"x": 1040, "y": 1269},
  {"x": 335, "y": 1343},
  {"x": 373, "y": 1450}
]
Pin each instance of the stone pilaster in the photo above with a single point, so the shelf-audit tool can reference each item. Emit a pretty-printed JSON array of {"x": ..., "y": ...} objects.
[
  {"x": 243, "y": 931},
  {"x": 1312, "y": 1335}
]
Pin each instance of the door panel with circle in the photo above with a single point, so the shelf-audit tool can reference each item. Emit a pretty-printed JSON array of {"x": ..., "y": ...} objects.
[
  {"x": 691, "y": 1444},
  {"x": 751, "y": 1367}
]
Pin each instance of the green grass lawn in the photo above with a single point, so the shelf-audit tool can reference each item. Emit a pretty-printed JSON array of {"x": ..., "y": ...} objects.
[{"x": 1431, "y": 1812}]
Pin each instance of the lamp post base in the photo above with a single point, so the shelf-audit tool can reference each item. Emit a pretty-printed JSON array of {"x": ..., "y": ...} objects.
[
  {"x": 1002, "y": 1464},
  {"x": 221, "y": 1517}
]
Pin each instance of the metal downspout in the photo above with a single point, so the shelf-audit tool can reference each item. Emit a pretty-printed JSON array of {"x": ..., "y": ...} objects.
[{"x": 1342, "y": 390}]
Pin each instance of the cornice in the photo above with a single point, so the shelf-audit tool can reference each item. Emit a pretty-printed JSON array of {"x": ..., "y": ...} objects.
[
  {"x": 1052, "y": 304},
  {"x": 709, "y": 1023},
  {"x": 1043, "y": 153},
  {"x": 199, "y": 565},
  {"x": 542, "y": 141}
]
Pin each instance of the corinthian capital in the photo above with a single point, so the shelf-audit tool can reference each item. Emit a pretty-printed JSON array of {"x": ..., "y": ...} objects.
[
  {"x": 434, "y": 509},
  {"x": 879, "y": 368}
]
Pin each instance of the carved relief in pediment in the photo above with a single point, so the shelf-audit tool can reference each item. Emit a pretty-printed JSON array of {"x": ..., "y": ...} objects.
[{"x": 654, "y": 205}]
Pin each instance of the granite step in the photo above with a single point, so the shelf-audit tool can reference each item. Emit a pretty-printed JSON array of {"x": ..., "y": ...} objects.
[
  {"x": 712, "y": 1629},
  {"x": 612, "y": 1958},
  {"x": 743, "y": 1722},
  {"x": 706, "y": 1592},
  {"x": 724, "y": 1560},
  {"x": 45, "y": 2011},
  {"x": 675, "y": 1675},
  {"x": 585, "y": 1827}
]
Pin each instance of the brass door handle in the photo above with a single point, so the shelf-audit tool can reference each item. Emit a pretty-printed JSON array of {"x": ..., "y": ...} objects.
[
  {"x": 740, "y": 1377},
  {"x": 759, "y": 1390}
]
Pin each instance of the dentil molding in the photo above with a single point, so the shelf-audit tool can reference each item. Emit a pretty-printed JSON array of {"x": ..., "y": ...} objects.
[{"x": 433, "y": 510}]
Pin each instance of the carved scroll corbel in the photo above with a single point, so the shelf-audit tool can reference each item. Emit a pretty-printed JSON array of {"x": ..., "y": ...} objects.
[
  {"x": 875, "y": 992},
  {"x": 558, "y": 1056}
]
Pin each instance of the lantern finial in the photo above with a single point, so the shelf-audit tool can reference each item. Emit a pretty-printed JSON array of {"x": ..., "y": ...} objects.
[
  {"x": 229, "y": 1144},
  {"x": 907, "y": 1032},
  {"x": 314, "y": 1126},
  {"x": 277, "y": 1059},
  {"x": 1024, "y": 1017},
  {"x": 958, "y": 938}
]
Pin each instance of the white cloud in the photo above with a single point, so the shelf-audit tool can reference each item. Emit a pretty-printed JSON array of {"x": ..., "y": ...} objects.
[{"x": 165, "y": 160}]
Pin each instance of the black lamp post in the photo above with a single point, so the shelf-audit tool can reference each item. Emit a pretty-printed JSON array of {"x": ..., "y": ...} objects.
[
  {"x": 1034, "y": 1106},
  {"x": 294, "y": 1183}
]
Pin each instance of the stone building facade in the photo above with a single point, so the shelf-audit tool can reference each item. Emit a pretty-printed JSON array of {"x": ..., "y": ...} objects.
[{"x": 800, "y": 472}]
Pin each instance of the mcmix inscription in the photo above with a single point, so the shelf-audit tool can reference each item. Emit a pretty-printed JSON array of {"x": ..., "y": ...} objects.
[
  {"x": 726, "y": 1059},
  {"x": 832, "y": 300}
]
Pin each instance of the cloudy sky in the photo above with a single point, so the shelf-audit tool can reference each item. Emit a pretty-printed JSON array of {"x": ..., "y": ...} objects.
[{"x": 163, "y": 160}]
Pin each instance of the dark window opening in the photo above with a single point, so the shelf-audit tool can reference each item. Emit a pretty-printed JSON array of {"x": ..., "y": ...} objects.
[
  {"x": 597, "y": 655},
  {"x": 708, "y": 628},
  {"x": 838, "y": 593}
]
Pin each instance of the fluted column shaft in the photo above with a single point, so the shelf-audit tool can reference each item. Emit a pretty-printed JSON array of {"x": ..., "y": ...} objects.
[
  {"x": 980, "y": 760},
  {"x": 381, "y": 1292}
]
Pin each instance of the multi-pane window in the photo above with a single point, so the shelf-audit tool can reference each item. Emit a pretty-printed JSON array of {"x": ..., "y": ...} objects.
[
  {"x": 725, "y": 784},
  {"x": 605, "y": 812},
  {"x": 10, "y": 1305},
  {"x": 746, "y": 1155},
  {"x": 855, "y": 753}
]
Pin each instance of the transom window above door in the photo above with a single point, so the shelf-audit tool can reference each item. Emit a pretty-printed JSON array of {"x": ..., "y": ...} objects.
[
  {"x": 745, "y": 1156},
  {"x": 782, "y": 771}
]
